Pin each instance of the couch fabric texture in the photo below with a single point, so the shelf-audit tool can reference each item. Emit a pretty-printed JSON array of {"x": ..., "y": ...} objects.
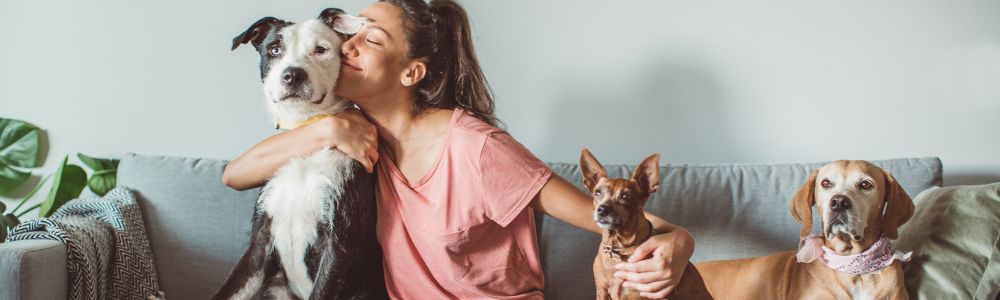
[{"x": 198, "y": 227}]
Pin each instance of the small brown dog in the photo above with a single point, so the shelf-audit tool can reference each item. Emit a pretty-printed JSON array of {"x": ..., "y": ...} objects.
[
  {"x": 619, "y": 212},
  {"x": 860, "y": 206}
]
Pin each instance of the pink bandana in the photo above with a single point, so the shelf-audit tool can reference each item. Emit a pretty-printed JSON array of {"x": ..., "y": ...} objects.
[{"x": 877, "y": 257}]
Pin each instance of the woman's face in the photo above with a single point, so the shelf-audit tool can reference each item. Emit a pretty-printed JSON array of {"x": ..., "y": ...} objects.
[{"x": 373, "y": 60}]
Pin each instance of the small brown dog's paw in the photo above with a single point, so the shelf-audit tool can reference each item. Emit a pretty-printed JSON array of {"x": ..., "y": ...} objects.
[{"x": 159, "y": 296}]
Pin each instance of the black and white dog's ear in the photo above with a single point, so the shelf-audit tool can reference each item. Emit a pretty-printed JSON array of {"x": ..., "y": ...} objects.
[
  {"x": 257, "y": 32},
  {"x": 329, "y": 16},
  {"x": 341, "y": 22}
]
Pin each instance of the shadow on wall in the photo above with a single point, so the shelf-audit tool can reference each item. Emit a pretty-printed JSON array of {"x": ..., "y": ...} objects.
[{"x": 674, "y": 107}]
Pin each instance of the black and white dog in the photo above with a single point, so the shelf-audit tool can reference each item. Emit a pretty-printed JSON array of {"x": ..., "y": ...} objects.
[{"x": 314, "y": 225}]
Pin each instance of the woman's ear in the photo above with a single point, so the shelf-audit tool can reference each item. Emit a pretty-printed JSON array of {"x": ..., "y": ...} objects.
[{"x": 413, "y": 73}]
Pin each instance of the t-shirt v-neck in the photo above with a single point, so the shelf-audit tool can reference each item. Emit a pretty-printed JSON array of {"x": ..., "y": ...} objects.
[{"x": 396, "y": 172}]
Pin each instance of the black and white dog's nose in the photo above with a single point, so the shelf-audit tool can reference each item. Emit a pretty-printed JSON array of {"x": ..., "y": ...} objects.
[
  {"x": 293, "y": 77},
  {"x": 840, "y": 203}
]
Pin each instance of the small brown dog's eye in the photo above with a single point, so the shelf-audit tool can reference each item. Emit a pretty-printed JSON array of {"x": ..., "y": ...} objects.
[
  {"x": 866, "y": 185},
  {"x": 826, "y": 184},
  {"x": 625, "y": 196},
  {"x": 597, "y": 194}
]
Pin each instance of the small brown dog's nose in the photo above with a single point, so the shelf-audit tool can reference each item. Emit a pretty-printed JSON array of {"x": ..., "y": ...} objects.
[
  {"x": 840, "y": 203},
  {"x": 602, "y": 211}
]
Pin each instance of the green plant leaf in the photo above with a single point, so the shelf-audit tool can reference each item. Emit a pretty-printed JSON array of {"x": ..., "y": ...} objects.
[
  {"x": 18, "y": 148},
  {"x": 98, "y": 164},
  {"x": 68, "y": 182},
  {"x": 12, "y": 220},
  {"x": 18, "y": 143},
  {"x": 7, "y": 222},
  {"x": 10, "y": 178},
  {"x": 102, "y": 181}
]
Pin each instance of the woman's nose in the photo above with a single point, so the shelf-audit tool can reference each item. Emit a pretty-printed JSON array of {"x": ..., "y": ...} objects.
[{"x": 348, "y": 48}]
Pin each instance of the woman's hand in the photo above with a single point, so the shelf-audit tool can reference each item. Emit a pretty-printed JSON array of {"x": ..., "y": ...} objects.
[
  {"x": 348, "y": 131},
  {"x": 352, "y": 133},
  {"x": 656, "y": 266}
]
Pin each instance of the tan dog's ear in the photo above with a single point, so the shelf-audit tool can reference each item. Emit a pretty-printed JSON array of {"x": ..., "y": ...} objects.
[
  {"x": 898, "y": 207},
  {"x": 802, "y": 203},
  {"x": 591, "y": 169},
  {"x": 648, "y": 173}
]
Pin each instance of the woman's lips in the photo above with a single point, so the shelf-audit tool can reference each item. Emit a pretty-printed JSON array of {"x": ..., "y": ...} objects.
[{"x": 347, "y": 63}]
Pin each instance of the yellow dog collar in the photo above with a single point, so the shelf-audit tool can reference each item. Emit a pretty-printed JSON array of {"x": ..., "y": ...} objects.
[{"x": 279, "y": 124}]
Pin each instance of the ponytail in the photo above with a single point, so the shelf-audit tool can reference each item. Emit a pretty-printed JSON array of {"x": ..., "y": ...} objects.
[{"x": 440, "y": 32}]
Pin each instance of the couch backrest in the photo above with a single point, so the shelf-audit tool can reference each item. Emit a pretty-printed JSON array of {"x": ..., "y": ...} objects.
[
  {"x": 733, "y": 211},
  {"x": 198, "y": 227}
]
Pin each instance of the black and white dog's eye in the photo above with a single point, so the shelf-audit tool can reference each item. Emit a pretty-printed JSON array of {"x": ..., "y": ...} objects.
[
  {"x": 866, "y": 185},
  {"x": 320, "y": 50},
  {"x": 275, "y": 51}
]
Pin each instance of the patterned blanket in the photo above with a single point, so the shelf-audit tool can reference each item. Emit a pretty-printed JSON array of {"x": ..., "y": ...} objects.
[{"x": 107, "y": 250}]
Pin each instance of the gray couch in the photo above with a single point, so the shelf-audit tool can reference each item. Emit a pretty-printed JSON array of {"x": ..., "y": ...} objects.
[{"x": 198, "y": 227}]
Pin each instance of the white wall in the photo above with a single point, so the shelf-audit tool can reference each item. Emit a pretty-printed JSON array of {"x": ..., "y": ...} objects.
[{"x": 698, "y": 81}]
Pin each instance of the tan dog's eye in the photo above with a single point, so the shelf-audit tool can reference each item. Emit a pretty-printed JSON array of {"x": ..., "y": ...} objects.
[
  {"x": 597, "y": 194},
  {"x": 826, "y": 184},
  {"x": 866, "y": 185}
]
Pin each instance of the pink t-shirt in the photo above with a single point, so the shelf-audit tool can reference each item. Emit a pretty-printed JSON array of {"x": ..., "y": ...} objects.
[{"x": 463, "y": 230}]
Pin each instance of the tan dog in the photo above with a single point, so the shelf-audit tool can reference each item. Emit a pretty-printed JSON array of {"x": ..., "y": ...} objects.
[
  {"x": 619, "y": 211},
  {"x": 851, "y": 197}
]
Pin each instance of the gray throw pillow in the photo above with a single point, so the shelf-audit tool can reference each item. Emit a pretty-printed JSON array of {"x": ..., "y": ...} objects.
[{"x": 955, "y": 238}]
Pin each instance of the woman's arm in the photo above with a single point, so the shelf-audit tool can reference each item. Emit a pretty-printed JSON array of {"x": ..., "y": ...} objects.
[
  {"x": 348, "y": 131},
  {"x": 656, "y": 265}
]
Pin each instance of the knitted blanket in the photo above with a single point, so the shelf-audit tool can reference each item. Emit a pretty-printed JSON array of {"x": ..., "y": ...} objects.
[{"x": 107, "y": 249}]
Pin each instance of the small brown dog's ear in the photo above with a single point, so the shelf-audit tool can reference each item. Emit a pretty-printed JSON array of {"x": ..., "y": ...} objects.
[
  {"x": 802, "y": 203},
  {"x": 898, "y": 207},
  {"x": 648, "y": 173},
  {"x": 591, "y": 169}
]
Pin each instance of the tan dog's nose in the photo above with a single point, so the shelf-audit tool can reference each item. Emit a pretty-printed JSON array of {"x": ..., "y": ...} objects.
[{"x": 840, "y": 203}]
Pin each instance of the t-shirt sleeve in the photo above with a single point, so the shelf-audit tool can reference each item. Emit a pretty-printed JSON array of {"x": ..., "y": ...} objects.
[{"x": 511, "y": 177}]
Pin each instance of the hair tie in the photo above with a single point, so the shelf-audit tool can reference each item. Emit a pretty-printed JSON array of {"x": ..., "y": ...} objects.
[{"x": 435, "y": 31}]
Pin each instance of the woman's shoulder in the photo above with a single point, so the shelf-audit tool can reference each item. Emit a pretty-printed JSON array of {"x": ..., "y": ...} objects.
[{"x": 469, "y": 123}]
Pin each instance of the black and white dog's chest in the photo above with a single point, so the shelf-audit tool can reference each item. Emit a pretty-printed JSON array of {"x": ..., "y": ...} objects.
[
  {"x": 301, "y": 191},
  {"x": 300, "y": 200}
]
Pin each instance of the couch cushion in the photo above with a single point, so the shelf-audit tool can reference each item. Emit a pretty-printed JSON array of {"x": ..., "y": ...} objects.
[
  {"x": 733, "y": 211},
  {"x": 955, "y": 239},
  {"x": 198, "y": 227}
]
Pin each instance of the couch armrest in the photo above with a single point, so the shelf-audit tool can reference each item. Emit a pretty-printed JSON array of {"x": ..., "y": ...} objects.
[{"x": 33, "y": 269}]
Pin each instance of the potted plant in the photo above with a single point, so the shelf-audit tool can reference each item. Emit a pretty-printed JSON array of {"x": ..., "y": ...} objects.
[{"x": 19, "y": 151}]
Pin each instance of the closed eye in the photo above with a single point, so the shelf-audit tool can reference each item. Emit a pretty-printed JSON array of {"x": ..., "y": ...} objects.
[{"x": 373, "y": 42}]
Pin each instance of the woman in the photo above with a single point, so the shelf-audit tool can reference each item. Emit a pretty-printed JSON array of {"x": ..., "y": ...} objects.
[{"x": 452, "y": 188}]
